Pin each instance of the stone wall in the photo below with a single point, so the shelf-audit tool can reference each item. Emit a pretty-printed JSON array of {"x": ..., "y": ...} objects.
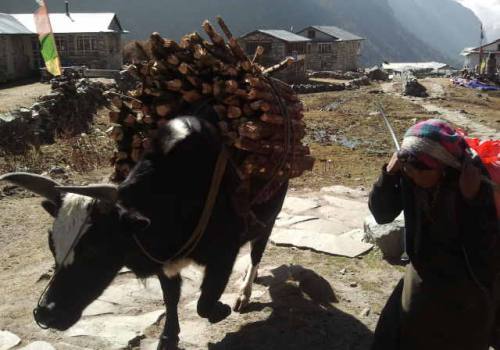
[
  {"x": 68, "y": 109},
  {"x": 106, "y": 54},
  {"x": 16, "y": 58},
  {"x": 343, "y": 56},
  {"x": 274, "y": 49}
]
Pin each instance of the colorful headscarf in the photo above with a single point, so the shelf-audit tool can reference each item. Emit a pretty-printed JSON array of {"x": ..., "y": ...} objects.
[{"x": 434, "y": 143}]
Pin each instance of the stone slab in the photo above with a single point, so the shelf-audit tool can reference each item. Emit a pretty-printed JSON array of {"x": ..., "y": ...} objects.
[
  {"x": 297, "y": 205},
  {"x": 343, "y": 245},
  {"x": 331, "y": 227},
  {"x": 115, "y": 330},
  {"x": 292, "y": 220},
  {"x": 8, "y": 340},
  {"x": 39, "y": 345}
]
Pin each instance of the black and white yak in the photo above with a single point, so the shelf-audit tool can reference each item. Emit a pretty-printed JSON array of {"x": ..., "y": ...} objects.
[{"x": 145, "y": 221}]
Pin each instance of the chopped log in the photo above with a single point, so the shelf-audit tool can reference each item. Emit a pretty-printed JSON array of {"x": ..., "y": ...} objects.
[
  {"x": 174, "y": 85},
  {"x": 136, "y": 154},
  {"x": 173, "y": 60},
  {"x": 149, "y": 120},
  {"x": 137, "y": 141},
  {"x": 114, "y": 117},
  {"x": 213, "y": 35},
  {"x": 279, "y": 120},
  {"x": 287, "y": 62},
  {"x": 255, "y": 94},
  {"x": 256, "y": 130},
  {"x": 116, "y": 133},
  {"x": 130, "y": 120},
  {"x": 232, "y": 100},
  {"x": 147, "y": 144},
  {"x": 207, "y": 89},
  {"x": 194, "y": 80},
  {"x": 191, "y": 96},
  {"x": 234, "y": 112},
  {"x": 259, "y": 51},
  {"x": 163, "y": 110},
  {"x": 221, "y": 111},
  {"x": 231, "y": 86},
  {"x": 120, "y": 155}
]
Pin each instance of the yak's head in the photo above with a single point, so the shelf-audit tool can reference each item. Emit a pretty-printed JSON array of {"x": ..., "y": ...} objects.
[
  {"x": 94, "y": 225},
  {"x": 85, "y": 239}
]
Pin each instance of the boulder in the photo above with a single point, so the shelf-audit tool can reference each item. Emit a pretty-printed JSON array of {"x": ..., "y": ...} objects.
[
  {"x": 389, "y": 237},
  {"x": 414, "y": 88},
  {"x": 376, "y": 73}
]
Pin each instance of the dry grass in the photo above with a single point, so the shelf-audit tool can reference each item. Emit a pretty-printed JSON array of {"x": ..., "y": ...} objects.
[
  {"x": 81, "y": 153},
  {"x": 351, "y": 143}
]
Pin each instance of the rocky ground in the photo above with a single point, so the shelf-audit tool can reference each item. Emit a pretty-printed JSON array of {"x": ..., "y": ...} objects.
[{"x": 304, "y": 298}]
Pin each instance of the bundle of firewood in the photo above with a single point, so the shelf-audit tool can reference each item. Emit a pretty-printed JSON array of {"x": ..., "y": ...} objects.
[{"x": 259, "y": 116}]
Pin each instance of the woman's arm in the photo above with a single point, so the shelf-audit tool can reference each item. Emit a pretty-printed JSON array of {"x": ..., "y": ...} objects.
[{"x": 385, "y": 201}]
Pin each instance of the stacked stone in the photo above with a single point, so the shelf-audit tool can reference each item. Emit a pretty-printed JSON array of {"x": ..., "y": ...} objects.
[
  {"x": 68, "y": 109},
  {"x": 259, "y": 117}
]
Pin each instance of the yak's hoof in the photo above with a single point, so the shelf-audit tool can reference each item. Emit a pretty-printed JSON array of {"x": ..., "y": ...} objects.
[
  {"x": 241, "y": 303},
  {"x": 168, "y": 343},
  {"x": 219, "y": 312},
  {"x": 216, "y": 314}
]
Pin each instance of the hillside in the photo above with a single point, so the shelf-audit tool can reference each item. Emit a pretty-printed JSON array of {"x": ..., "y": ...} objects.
[{"x": 388, "y": 35}]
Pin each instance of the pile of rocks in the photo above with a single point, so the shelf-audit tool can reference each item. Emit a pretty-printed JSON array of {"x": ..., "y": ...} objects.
[
  {"x": 336, "y": 75},
  {"x": 313, "y": 88},
  {"x": 68, "y": 109},
  {"x": 376, "y": 73}
]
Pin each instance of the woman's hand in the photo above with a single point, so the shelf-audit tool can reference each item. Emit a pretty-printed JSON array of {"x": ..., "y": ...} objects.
[
  {"x": 394, "y": 165},
  {"x": 470, "y": 180}
]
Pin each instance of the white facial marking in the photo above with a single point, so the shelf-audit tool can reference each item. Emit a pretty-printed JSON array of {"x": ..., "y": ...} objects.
[
  {"x": 71, "y": 221},
  {"x": 179, "y": 132}
]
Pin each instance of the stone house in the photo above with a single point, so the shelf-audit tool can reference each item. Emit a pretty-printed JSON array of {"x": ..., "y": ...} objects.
[
  {"x": 471, "y": 54},
  {"x": 278, "y": 44},
  {"x": 16, "y": 58},
  {"x": 89, "y": 39},
  {"x": 331, "y": 48}
]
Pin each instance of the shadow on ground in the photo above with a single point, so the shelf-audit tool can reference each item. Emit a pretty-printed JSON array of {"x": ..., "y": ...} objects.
[{"x": 302, "y": 317}]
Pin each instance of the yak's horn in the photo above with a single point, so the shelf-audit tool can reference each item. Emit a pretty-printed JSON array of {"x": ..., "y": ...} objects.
[
  {"x": 38, "y": 184},
  {"x": 104, "y": 192}
]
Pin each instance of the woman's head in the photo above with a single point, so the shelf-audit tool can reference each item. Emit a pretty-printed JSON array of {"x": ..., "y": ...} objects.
[{"x": 429, "y": 147}]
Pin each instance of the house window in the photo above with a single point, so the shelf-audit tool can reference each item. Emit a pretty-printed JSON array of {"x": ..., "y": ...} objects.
[
  {"x": 299, "y": 48},
  {"x": 311, "y": 34},
  {"x": 308, "y": 49},
  {"x": 325, "y": 48},
  {"x": 86, "y": 45},
  {"x": 62, "y": 44},
  {"x": 498, "y": 48}
]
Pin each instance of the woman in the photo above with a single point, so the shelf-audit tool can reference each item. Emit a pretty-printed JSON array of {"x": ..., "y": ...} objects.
[{"x": 446, "y": 298}]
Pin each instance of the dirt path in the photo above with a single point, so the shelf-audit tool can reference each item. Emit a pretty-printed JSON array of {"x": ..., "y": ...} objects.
[
  {"x": 462, "y": 118},
  {"x": 12, "y": 97}
]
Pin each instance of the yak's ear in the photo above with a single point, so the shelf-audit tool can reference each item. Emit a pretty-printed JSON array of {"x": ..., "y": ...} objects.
[
  {"x": 133, "y": 222},
  {"x": 50, "y": 208}
]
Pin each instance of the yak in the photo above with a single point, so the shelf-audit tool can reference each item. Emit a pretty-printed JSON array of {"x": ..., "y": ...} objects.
[{"x": 142, "y": 224}]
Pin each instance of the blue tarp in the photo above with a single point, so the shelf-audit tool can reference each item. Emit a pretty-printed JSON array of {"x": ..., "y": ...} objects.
[{"x": 475, "y": 84}]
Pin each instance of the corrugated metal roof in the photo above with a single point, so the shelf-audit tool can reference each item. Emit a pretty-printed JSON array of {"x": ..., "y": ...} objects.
[
  {"x": 284, "y": 35},
  {"x": 76, "y": 23},
  {"x": 338, "y": 33},
  {"x": 415, "y": 66},
  {"x": 10, "y": 25}
]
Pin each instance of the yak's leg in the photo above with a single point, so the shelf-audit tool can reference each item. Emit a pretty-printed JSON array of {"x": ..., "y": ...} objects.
[
  {"x": 171, "y": 288},
  {"x": 217, "y": 274},
  {"x": 257, "y": 250}
]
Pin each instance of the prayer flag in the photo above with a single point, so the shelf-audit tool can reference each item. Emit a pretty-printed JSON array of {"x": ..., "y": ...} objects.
[{"x": 48, "y": 47}]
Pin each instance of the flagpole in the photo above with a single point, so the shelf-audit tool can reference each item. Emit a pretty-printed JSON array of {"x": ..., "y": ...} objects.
[{"x": 481, "y": 49}]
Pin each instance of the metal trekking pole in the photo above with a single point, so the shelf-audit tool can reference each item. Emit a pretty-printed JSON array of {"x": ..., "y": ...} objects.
[{"x": 404, "y": 256}]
